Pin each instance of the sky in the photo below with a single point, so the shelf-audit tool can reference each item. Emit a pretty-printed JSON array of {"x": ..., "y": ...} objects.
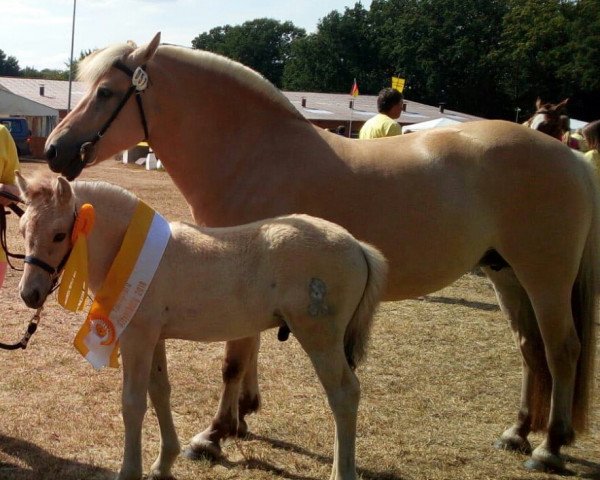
[{"x": 38, "y": 32}]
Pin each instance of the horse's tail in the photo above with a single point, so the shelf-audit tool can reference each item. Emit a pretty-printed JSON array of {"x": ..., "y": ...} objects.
[
  {"x": 584, "y": 305},
  {"x": 358, "y": 331}
]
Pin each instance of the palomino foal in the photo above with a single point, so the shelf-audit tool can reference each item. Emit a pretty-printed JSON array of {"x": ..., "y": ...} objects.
[{"x": 299, "y": 271}]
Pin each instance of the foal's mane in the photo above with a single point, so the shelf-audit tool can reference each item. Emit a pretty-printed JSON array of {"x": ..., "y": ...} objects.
[{"x": 99, "y": 63}]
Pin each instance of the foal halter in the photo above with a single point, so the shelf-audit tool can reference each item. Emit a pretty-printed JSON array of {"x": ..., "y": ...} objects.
[{"x": 139, "y": 83}]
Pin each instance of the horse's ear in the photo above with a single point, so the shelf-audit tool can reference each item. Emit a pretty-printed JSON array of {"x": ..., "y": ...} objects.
[
  {"x": 538, "y": 103},
  {"x": 146, "y": 52},
  {"x": 562, "y": 105},
  {"x": 64, "y": 193},
  {"x": 22, "y": 184}
]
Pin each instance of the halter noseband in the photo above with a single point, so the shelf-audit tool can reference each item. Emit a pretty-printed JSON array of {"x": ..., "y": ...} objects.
[
  {"x": 139, "y": 83},
  {"x": 54, "y": 272}
]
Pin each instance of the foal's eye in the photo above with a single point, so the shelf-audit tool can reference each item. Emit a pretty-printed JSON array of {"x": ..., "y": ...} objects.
[
  {"x": 59, "y": 237},
  {"x": 104, "y": 93}
]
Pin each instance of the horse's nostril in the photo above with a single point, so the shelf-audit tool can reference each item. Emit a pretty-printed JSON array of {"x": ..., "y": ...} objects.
[
  {"x": 51, "y": 152},
  {"x": 31, "y": 298}
]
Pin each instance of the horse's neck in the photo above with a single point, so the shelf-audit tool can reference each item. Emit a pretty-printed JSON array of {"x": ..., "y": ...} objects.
[
  {"x": 225, "y": 143},
  {"x": 113, "y": 213}
]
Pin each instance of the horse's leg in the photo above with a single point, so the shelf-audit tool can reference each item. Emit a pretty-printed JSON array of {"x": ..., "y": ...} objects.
[
  {"x": 343, "y": 394},
  {"x": 515, "y": 304},
  {"x": 160, "y": 393},
  {"x": 250, "y": 395},
  {"x": 553, "y": 309},
  {"x": 225, "y": 422},
  {"x": 136, "y": 354}
]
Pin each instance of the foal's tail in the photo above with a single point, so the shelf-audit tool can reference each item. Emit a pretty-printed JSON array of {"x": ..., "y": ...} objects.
[
  {"x": 584, "y": 306},
  {"x": 359, "y": 328}
]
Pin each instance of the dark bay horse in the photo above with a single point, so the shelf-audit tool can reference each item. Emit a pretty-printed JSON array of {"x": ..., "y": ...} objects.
[
  {"x": 547, "y": 118},
  {"x": 436, "y": 203}
]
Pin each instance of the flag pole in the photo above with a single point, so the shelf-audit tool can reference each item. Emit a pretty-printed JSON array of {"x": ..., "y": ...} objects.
[{"x": 350, "y": 127}]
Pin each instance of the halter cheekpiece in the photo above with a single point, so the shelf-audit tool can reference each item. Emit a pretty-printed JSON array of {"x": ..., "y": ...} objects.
[{"x": 139, "y": 83}]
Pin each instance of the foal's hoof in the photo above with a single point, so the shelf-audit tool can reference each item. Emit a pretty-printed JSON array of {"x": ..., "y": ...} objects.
[
  {"x": 513, "y": 444},
  {"x": 152, "y": 476},
  {"x": 203, "y": 450}
]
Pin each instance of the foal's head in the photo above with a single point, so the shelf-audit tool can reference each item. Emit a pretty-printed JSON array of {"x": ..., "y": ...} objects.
[
  {"x": 547, "y": 118},
  {"x": 46, "y": 227}
]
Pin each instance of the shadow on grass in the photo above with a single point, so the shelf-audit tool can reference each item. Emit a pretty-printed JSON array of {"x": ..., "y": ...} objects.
[
  {"x": 257, "y": 464},
  {"x": 489, "y": 307},
  {"x": 592, "y": 469},
  {"x": 42, "y": 465}
]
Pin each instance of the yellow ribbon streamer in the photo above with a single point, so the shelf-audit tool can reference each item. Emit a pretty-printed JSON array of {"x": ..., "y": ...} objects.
[{"x": 72, "y": 293}]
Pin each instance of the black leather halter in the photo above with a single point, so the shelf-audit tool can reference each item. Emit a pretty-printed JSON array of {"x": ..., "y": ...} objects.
[{"x": 139, "y": 82}]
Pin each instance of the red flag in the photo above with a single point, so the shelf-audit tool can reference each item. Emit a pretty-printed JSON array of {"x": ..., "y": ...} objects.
[{"x": 354, "y": 91}]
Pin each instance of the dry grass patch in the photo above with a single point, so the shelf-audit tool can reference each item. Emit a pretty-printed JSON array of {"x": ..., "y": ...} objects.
[{"x": 441, "y": 383}]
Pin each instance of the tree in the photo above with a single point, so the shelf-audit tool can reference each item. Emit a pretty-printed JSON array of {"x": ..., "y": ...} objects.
[
  {"x": 262, "y": 44},
  {"x": 343, "y": 48},
  {"x": 9, "y": 66}
]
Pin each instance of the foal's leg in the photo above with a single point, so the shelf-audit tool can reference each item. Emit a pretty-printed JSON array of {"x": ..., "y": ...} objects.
[
  {"x": 238, "y": 354},
  {"x": 136, "y": 354},
  {"x": 160, "y": 392},
  {"x": 515, "y": 304},
  {"x": 343, "y": 394}
]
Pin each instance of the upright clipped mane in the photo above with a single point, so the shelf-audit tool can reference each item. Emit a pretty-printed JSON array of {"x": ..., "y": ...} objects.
[
  {"x": 99, "y": 62},
  {"x": 231, "y": 69},
  {"x": 92, "y": 67}
]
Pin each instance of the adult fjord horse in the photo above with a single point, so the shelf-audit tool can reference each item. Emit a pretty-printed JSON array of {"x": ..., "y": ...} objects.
[{"x": 436, "y": 203}]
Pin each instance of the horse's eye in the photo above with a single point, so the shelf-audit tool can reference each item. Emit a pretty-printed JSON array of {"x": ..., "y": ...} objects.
[
  {"x": 59, "y": 237},
  {"x": 104, "y": 93}
]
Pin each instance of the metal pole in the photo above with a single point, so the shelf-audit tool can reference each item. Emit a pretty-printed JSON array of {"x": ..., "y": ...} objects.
[
  {"x": 71, "y": 61},
  {"x": 350, "y": 126}
]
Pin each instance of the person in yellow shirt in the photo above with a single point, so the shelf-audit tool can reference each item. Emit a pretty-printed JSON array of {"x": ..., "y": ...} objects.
[
  {"x": 591, "y": 133},
  {"x": 9, "y": 162},
  {"x": 384, "y": 124}
]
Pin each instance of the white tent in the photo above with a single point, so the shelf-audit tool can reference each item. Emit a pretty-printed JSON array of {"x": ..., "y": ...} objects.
[
  {"x": 575, "y": 124},
  {"x": 435, "y": 123}
]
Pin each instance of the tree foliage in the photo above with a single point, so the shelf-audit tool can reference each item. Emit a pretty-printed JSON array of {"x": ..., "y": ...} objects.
[
  {"x": 9, "y": 66},
  {"x": 484, "y": 57},
  {"x": 262, "y": 44}
]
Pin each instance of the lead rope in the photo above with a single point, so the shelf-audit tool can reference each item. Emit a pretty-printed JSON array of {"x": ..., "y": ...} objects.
[
  {"x": 35, "y": 319},
  {"x": 31, "y": 329}
]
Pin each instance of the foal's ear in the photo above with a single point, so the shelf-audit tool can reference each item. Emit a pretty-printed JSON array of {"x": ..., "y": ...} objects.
[
  {"x": 146, "y": 52},
  {"x": 64, "y": 193},
  {"x": 22, "y": 184}
]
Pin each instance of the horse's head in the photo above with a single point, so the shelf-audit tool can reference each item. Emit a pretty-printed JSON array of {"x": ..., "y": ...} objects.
[
  {"x": 83, "y": 136},
  {"x": 546, "y": 118},
  {"x": 46, "y": 227}
]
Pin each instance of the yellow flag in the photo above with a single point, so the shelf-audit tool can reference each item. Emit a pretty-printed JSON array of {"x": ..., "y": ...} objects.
[{"x": 398, "y": 83}]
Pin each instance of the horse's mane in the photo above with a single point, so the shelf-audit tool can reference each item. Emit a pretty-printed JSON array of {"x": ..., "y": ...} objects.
[
  {"x": 99, "y": 62},
  {"x": 95, "y": 65}
]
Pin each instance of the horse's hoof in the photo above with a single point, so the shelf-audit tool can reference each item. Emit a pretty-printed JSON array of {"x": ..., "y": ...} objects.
[
  {"x": 152, "y": 476},
  {"x": 514, "y": 444},
  {"x": 242, "y": 429},
  {"x": 203, "y": 451},
  {"x": 545, "y": 467}
]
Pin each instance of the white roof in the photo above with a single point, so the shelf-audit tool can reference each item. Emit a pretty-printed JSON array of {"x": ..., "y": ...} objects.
[
  {"x": 11, "y": 105},
  {"x": 435, "y": 123}
]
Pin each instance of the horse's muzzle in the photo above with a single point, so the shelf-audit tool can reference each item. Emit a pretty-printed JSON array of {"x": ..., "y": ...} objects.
[
  {"x": 69, "y": 165},
  {"x": 33, "y": 298}
]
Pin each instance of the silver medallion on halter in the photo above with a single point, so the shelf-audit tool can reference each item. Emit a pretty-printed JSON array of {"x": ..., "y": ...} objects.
[{"x": 139, "y": 79}]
